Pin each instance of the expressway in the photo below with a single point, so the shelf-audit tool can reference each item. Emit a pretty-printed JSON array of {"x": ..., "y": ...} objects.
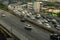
[{"x": 13, "y": 24}]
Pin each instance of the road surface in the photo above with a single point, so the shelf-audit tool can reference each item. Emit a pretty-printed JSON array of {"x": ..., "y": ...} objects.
[{"x": 18, "y": 28}]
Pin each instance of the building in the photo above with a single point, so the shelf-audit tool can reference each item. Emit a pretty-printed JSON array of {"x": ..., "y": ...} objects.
[
  {"x": 14, "y": 7},
  {"x": 37, "y": 6},
  {"x": 29, "y": 5},
  {"x": 54, "y": 11}
]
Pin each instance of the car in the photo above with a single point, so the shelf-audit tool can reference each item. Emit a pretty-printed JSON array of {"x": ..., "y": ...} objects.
[
  {"x": 31, "y": 17},
  {"x": 38, "y": 16},
  {"x": 49, "y": 20},
  {"x": 3, "y": 15},
  {"x": 16, "y": 11},
  {"x": 44, "y": 21},
  {"x": 28, "y": 15},
  {"x": 39, "y": 21},
  {"x": 22, "y": 20},
  {"x": 57, "y": 26},
  {"x": 47, "y": 25},
  {"x": 53, "y": 20},
  {"x": 28, "y": 27},
  {"x": 43, "y": 16},
  {"x": 53, "y": 36}
]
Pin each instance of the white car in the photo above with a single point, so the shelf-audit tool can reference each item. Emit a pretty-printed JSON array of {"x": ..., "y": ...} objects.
[
  {"x": 47, "y": 25},
  {"x": 45, "y": 20},
  {"x": 28, "y": 27},
  {"x": 53, "y": 20},
  {"x": 16, "y": 11},
  {"x": 3, "y": 15},
  {"x": 58, "y": 27},
  {"x": 39, "y": 21},
  {"x": 38, "y": 16},
  {"x": 32, "y": 17},
  {"x": 28, "y": 15}
]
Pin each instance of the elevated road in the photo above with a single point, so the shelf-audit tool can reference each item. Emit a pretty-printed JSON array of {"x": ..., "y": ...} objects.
[
  {"x": 13, "y": 24},
  {"x": 52, "y": 30}
]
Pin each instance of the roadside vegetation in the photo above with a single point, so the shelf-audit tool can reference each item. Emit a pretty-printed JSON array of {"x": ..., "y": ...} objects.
[{"x": 3, "y": 7}]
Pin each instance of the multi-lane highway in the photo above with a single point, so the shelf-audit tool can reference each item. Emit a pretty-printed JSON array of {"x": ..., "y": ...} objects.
[
  {"x": 11, "y": 21},
  {"x": 51, "y": 27}
]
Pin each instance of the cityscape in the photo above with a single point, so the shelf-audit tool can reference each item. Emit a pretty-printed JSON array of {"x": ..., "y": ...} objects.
[{"x": 29, "y": 19}]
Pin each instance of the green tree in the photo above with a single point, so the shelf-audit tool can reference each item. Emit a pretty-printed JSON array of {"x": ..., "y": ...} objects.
[{"x": 3, "y": 7}]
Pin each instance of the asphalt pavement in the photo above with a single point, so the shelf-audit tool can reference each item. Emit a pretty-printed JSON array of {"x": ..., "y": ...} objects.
[{"x": 18, "y": 28}]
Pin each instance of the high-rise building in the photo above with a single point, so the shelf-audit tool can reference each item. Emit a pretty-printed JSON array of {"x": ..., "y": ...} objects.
[
  {"x": 29, "y": 5},
  {"x": 38, "y": 6}
]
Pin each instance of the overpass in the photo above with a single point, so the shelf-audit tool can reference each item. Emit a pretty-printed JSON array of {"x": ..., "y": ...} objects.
[
  {"x": 12, "y": 24},
  {"x": 52, "y": 30}
]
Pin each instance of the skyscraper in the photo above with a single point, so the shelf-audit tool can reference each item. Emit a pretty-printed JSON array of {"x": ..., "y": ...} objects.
[{"x": 38, "y": 6}]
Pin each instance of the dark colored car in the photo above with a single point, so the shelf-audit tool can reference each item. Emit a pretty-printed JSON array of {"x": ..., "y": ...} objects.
[{"x": 54, "y": 37}]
